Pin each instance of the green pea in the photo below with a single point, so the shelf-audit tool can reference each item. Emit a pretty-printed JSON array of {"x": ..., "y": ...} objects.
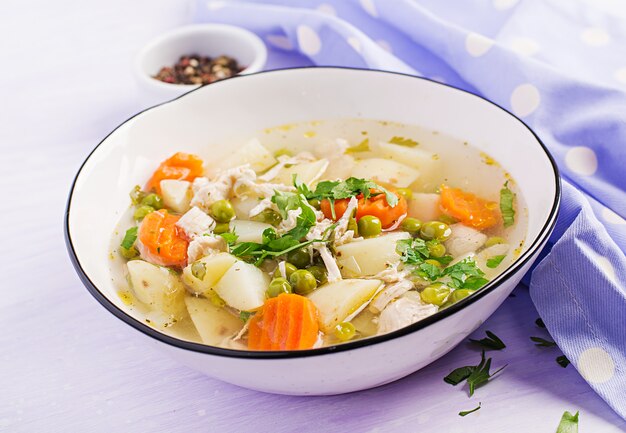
[
  {"x": 221, "y": 228},
  {"x": 129, "y": 253},
  {"x": 456, "y": 296},
  {"x": 289, "y": 269},
  {"x": 303, "y": 282},
  {"x": 153, "y": 200},
  {"x": 345, "y": 331},
  {"x": 495, "y": 240},
  {"x": 299, "y": 258},
  {"x": 136, "y": 195},
  {"x": 447, "y": 219},
  {"x": 142, "y": 211},
  {"x": 435, "y": 294},
  {"x": 319, "y": 272},
  {"x": 436, "y": 249},
  {"x": 222, "y": 211},
  {"x": 268, "y": 216},
  {"x": 278, "y": 286},
  {"x": 434, "y": 263},
  {"x": 315, "y": 203},
  {"x": 369, "y": 226},
  {"x": 435, "y": 230},
  {"x": 411, "y": 225},
  {"x": 406, "y": 193}
]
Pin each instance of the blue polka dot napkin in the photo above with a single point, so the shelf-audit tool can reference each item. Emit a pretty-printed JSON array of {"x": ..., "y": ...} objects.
[{"x": 558, "y": 65}]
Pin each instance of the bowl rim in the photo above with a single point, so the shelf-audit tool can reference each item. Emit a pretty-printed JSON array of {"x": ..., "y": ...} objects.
[
  {"x": 251, "y": 39},
  {"x": 542, "y": 236}
]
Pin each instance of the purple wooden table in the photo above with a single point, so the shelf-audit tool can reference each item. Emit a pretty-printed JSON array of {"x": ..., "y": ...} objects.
[{"x": 67, "y": 365}]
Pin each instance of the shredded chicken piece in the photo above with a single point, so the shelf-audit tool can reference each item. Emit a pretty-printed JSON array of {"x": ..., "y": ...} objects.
[
  {"x": 341, "y": 233},
  {"x": 334, "y": 274},
  {"x": 264, "y": 204},
  {"x": 290, "y": 222},
  {"x": 388, "y": 294},
  {"x": 202, "y": 246},
  {"x": 243, "y": 331},
  {"x": 391, "y": 275},
  {"x": 195, "y": 223},
  {"x": 463, "y": 240},
  {"x": 285, "y": 160},
  {"x": 403, "y": 312}
]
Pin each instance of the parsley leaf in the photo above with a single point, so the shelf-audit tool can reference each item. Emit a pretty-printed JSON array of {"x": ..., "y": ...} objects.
[
  {"x": 412, "y": 251},
  {"x": 568, "y": 424},
  {"x": 289, "y": 201},
  {"x": 363, "y": 146},
  {"x": 230, "y": 238},
  {"x": 467, "y": 412},
  {"x": 562, "y": 361},
  {"x": 494, "y": 262},
  {"x": 490, "y": 342},
  {"x": 245, "y": 315},
  {"x": 458, "y": 375},
  {"x": 542, "y": 342},
  {"x": 506, "y": 205},
  {"x": 461, "y": 274},
  {"x": 272, "y": 246},
  {"x": 401, "y": 141},
  {"x": 539, "y": 323},
  {"x": 336, "y": 190},
  {"x": 129, "y": 238},
  {"x": 481, "y": 374}
]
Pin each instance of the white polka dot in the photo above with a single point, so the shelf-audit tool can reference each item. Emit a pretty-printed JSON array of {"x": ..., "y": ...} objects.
[
  {"x": 384, "y": 45},
  {"x": 477, "y": 45},
  {"x": 525, "y": 99},
  {"x": 611, "y": 217},
  {"x": 596, "y": 365},
  {"x": 369, "y": 7},
  {"x": 595, "y": 37},
  {"x": 620, "y": 75},
  {"x": 607, "y": 268},
  {"x": 355, "y": 43},
  {"x": 280, "y": 41},
  {"x": 215, "y": 5},
  {"x": 504, "y": 4},
  {"x": 581, "y": 160},
  {"x": 524, "y": 46},
  {"x": 309, "y": 42},
  {"x": 327, "y": 9}
]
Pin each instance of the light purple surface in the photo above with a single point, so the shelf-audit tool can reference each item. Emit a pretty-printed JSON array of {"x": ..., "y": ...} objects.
[{"x": 67, "y": 365}]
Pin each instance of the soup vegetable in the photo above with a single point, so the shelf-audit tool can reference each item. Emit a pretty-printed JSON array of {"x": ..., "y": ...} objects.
[{"x": 297, "y": 250}]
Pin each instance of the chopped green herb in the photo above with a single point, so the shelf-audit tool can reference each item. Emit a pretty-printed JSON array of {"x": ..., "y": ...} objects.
[
  {"x": 129, "y": 238},
  {"x": 363, "y": 146},
  {"x": 461, "y": 274},
  {"x": 481, "y": 374},
  {"x": 506, "y": 205},
  {"x": 490, "y": 342},
  {"x": 336, "y": 190},
  {"x": 230, "y": 238},
  {"x": 458, "y": 375},
  {"x": 467, "y": 412},
  {"x": 413, "y": 251},
  {"x": 562, "y": 361},
  {"x": 401, "y": 141},
  {"x": 542, "y": 342},
  {"x": 272, "y": 246},
  {"x": 539, "y": 323},
  {"x": 495, "y": 261},
  {"x": 568, "y": 424},
  {"x": 289, "y": 201},
  {"x": 245, "y": 315}
]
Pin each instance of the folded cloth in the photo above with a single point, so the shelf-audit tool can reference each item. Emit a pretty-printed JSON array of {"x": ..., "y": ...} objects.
[{"x": 559, "y": 66}]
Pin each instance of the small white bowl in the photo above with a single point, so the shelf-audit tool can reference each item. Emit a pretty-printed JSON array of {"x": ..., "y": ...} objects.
[
  {"x": 204, "y": 39},
  {"x": 248, "y": 104}
]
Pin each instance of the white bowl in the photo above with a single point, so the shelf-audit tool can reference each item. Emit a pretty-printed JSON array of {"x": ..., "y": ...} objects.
[
  {"x": 247, "y": 105},
  {"x": 205, "y": 39}
]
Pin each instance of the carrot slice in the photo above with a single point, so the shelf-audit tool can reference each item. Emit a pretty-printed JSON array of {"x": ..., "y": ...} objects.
[
  {"x": 471, "y": 210},
  {"x": 287, "y": 322},
  {"x": 163, "y": 243},
  {"x": 180, "y": 166},
  {"x": 374, "y": 205}
]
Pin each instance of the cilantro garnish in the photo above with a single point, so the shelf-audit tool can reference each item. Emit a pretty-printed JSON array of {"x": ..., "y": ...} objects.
[
  {"x": 467, "y": 412},
  {"x": 476, "y": 375},
  {"x": 230, "y": 238},
  {"x": 272, "y": 246},
  {"x": 539, "y": 323},
  {"x": 289, "y": 201},
  {"x": 401, "y": 141},
  {"x": 562, "y": 361},
  {"x": 568, "y": 424},
  {"x": 506, "y": 205},
  {"x": 336, "y": 190},
  {"x": 129, "y": 238},
  {"x": 542, "y": 342},
  {"x": 490, "y": 342},
  {"x": 465, "y": 275},
  {"x": 245, "y": 315},
  {"x": 494, "y": 262}
]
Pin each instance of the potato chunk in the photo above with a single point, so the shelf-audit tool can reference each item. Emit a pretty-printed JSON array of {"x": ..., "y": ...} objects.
[
  {"x": 176, "y": 194},
  {"x": 248, "y": 231},
  {"x": 385, "y": 171},
  {"x": 158, "y": 288},
  {"x": 336, "y": 301},
  {"x": 425, "y": 207},
  {"x": 213, "y": 323},
  {"x": 307, "y": 172},
  {"x": 243, "y": 286},
  {"x": 369, "y": 256},
  {"x": 253, "y": 153},
  {"x": 214, "y": 268}
]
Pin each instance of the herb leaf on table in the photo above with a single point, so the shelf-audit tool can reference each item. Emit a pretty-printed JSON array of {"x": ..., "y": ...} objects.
[
  {"x": 467, "y": 412},
  {"x": 542, "y": 342},
  {"x": 562, "y": 361},
  {"x": 476, "y": 375},
  {"x": 492, "y": 341},
  {"x": 568, "y": 424}
]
